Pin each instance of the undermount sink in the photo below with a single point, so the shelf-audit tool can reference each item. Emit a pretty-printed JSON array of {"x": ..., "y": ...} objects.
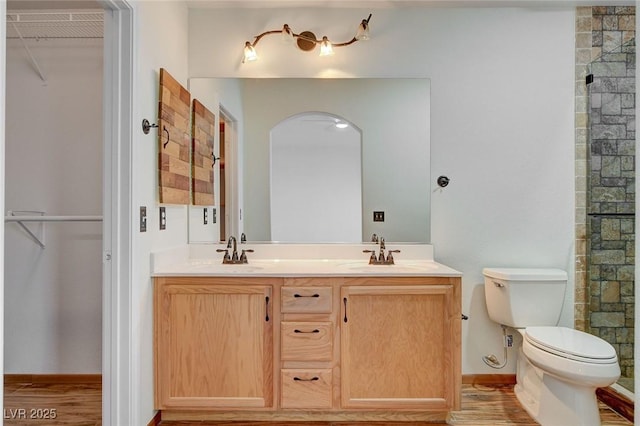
[
  {"x": 364, "y": 266},
  {"x": 232, "y": 268}
]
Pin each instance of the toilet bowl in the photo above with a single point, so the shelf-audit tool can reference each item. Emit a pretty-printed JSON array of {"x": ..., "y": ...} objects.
[{"x": 558, "y": 368}]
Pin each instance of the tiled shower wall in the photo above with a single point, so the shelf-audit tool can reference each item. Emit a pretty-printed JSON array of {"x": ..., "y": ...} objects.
[{"x": 605, "y": 176}]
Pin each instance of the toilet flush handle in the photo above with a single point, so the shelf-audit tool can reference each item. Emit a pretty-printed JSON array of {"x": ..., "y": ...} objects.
[{"x": 498, "y": 284}]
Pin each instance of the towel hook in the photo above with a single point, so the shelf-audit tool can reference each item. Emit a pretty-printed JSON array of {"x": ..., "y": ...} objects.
[{"x": 146, "y": 126}]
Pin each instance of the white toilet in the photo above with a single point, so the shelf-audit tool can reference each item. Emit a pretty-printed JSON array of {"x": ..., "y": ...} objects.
[{"x": 558, "y": 368}]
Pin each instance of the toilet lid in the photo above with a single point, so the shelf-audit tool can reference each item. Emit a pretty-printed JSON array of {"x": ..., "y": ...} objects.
[{"x": 572, "y": 344}]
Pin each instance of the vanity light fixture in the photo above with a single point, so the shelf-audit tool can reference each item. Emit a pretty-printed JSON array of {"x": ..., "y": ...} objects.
[{"x": 306, "y": 40}]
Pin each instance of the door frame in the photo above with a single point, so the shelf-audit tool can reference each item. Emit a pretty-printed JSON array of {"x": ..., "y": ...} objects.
[{"x": 118, "y": 101}]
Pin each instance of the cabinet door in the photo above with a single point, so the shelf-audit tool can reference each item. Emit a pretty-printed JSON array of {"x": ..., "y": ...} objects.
[
  {"x": 214, "y": 346},
  {"x": 400, "y": 347}
]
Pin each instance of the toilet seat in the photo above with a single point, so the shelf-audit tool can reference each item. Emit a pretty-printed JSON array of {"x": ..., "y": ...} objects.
[{"x": 572, "y": 344}]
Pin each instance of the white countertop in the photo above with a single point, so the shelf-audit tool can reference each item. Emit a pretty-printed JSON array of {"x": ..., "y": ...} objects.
[{"x": 293, "y": 260}]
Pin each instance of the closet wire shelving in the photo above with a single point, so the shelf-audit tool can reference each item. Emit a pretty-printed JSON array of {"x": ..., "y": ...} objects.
[
  {"x": 45, "y": 25},
  {"x": 42, "y": 25},
  {"x": 21, "y": 216}
]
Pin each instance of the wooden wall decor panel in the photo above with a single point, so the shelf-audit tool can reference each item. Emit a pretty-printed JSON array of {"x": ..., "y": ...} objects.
[
  {"x": 203, "y": 127},
  {"x": 174, "y": 141}
]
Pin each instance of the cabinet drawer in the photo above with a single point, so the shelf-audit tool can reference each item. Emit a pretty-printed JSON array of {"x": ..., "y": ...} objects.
[
  {"x": 306, "y": 341},
  {"x": 306, "y": 388},
  {"x": 312, "y": 300}
]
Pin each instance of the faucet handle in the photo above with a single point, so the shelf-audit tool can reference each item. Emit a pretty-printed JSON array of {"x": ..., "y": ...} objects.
[
  {"x": 372, "y": 258},
  {"x": 243, "y": 255},
  {"x": 390, "y": 260},
  {"x": 243, "y": 238},
  {"x": 226, "y": 257}
]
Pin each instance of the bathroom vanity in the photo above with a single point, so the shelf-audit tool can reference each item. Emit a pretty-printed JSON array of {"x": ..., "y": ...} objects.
[{"x": 284, "y": 338}]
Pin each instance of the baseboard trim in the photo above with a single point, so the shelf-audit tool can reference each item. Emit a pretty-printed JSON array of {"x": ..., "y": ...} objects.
[
  {"x": 53, "y": 378},
  {"x": 489, "y": 379},
  {"x": 155, "y": 421},
  {"x": 617, "y": 402}
]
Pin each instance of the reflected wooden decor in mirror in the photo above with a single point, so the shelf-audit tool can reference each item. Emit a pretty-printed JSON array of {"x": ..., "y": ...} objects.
[
  {"x": 174, "y": 140},
  {"x": 202, "y": 132}
]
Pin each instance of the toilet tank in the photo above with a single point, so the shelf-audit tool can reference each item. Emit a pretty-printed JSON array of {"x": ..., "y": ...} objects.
[{"x": 518, "y": 297}]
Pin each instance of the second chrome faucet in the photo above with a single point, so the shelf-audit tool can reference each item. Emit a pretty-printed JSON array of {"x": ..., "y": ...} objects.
[
  {"x": 381, "y": 259},
  {"x": 234, "y": 259}
]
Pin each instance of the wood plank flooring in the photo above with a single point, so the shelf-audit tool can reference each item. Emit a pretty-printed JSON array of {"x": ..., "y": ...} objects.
[{"x": 80, "y": 405}]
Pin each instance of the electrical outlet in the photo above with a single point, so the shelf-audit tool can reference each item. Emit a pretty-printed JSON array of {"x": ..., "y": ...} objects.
[
  {"x": 378, "y": 216},
  {"x": 163, "y": 218},
  {"x": 205, "y": 216},
  {"x": 213, "y": 215},
  {"x": 143, "y": 219}
]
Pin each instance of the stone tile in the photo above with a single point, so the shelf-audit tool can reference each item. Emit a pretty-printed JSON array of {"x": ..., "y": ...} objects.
[
  {"x": 609, "y": 23},
  {"x": 610, "y": 292},
  {"x": 627, "y": 22},
  {"x": 608, "y": 131},
  {"x": 610, "y": 229},
  {"x": 611, "y": 104},
  {"x": 608, "y": 257}
]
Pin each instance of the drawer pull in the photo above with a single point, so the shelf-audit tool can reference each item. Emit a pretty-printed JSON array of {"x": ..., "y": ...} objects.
[
  {"x": 302, "y": 295},
  {"x": 312, "y": 331},
  {"x": 313, "y": 379}
]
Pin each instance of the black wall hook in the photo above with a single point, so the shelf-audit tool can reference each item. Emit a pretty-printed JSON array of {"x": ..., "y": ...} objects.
[
  {"x": 146, "y": 126},
  {"x": 443, "y": 181}
]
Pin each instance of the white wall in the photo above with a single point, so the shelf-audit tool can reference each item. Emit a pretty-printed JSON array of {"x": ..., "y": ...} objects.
[
  {"x": 54, "y": 164},
  {"x": 501, "y": 115},
  {"x": 160, "y": 41}
]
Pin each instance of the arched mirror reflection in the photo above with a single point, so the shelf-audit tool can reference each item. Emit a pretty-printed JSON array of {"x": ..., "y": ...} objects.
[{"x": 316, "y": 179}]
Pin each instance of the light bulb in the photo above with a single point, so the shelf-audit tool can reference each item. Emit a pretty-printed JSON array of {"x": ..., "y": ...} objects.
[
  {"x": 249, "y": 53},
  {"x": 325, "y": 47},
  {"x": 287, "y": 34},
  {"x": 363, "y": 31}
]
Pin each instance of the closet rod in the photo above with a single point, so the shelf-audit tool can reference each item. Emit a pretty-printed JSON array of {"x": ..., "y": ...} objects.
[{"x": 39, "y": 240}]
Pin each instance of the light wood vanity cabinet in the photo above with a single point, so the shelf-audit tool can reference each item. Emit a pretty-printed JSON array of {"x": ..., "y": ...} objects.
[
  {"x": 334, "y": 348},
  {"x": 400, "y": 345},
  {"x": 308, "y": 346},
  {"x": 213, "y": 343}
]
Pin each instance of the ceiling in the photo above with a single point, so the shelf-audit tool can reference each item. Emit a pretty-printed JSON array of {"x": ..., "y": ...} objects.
[
  {"x": 377, "y": 4},
  {"x": 371, "y": 4}
]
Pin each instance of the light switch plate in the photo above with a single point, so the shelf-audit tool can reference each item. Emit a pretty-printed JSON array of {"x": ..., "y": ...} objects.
[
  {"x": 143, "y": 219},
  {"x": 205, "y": 216},
  {"x": 163, "y": 218},
  {"x": 378, "y": 216}
]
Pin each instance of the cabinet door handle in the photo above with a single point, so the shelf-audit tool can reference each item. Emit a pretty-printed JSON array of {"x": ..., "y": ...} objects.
[
  {"x": 312, "y": 331},
  {"x": 313, "y": 379},
  {"x": 344, "y": 300},
  {"x": 303, "y": 295},
  {"x": 266, "y": 302}
]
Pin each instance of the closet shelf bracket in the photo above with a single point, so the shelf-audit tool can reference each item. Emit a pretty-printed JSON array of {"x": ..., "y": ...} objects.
[
  {"x": 39, "y": 216},
  {"x": 31, "y": 57}
]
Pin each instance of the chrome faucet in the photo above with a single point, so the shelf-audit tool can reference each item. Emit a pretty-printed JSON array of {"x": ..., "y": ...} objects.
[
  {"x": 234, "y": 254},
  {"x": 381, "y": 259},
  {"x": 233, "y": 258}
]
